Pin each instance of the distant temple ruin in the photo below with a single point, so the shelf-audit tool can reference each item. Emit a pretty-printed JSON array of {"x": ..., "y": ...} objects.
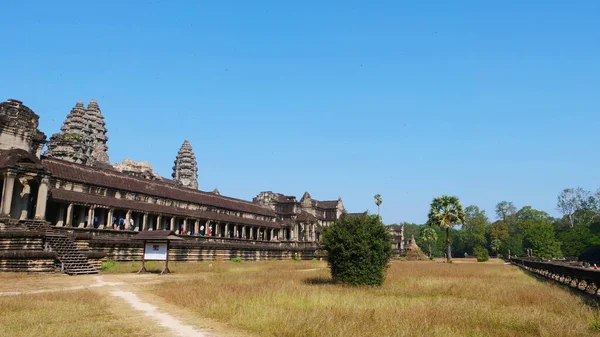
[{"x": 73, "y": 192}]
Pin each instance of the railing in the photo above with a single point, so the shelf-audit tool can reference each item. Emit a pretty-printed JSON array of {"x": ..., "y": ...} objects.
[{"x": 584, "y": 279}]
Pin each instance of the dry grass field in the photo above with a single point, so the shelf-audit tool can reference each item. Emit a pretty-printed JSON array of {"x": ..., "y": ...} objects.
[
  {"x": 288, "y": 298},
  {"x": 68, "y": 313}
]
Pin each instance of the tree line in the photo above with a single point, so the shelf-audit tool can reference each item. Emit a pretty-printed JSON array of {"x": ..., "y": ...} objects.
[{"x": 450, "y": 229}]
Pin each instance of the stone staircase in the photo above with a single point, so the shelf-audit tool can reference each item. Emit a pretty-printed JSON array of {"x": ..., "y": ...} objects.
[{"x": 72, "y": 260}]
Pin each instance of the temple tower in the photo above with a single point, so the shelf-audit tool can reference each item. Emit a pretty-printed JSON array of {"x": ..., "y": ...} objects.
[
  {"x": 185, "y": 171},
  {"x": 82, "y": 138}
]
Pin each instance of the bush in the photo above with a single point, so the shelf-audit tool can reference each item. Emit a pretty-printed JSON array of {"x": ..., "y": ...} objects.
[
  {"x": 108, "y": 265},
  {"x": 358, "y": 250},
  {"x": 297, "y": 258},
  {"x": 236, "y": 259},
  {"x": 314, "y": 259},
  {"x": 481, "y": 254}
]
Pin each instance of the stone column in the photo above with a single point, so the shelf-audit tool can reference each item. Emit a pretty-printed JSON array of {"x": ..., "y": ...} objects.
[
  {"x": 185, "y": 227},
  {"x": 102, "y": 222},
  {"x": 196, "y": 227},
  {"x": 23, "y": 207},
  {"x": 69, "y": 219},
  {"x": 271, "y": 236},
  {"x": 7, "y": 192},
  {"x": 313, "y": 232},
  {"x": 42, "y": 199},
  {"x": 158, "y": 221},
  {"x": 172, "y": 224},
  {"x": 91, "y": 212},
  {"x": 109, "y": 220},
  {"x": 235, "y": 231},
  {"x": 61, "y": 216},
  {"x": 127, "y": 219},
  {"x": 227, "y": 230},
  {"x": 81, "y": 217},
  {"x": 145, "y": 222}
]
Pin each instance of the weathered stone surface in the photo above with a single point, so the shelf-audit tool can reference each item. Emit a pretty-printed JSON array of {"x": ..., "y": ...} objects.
[
  {"x": 185, "y": 170},
  {"x": 142, "y": 169},
  {"x": 19, "y": 128},
  {"x": 82, "y": 138},
  {"x": 413, "y": 251}
]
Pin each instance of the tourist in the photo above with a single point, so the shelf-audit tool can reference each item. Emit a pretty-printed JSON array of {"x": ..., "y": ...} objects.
[
  {"x": 121, "y": 223},
  {"x": 202, "y": 230},
  {"x": 131, "y": 224}
]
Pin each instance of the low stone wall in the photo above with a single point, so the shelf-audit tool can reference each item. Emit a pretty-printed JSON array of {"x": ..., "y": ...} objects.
[
  {"x": 27, "y": 261},
  {"x": 23, "y": 250},
  {"x": 193, "y": 251}
]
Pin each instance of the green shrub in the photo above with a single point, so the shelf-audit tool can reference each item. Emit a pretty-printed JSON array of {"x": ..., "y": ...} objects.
[
  {"x": 481, "y": 254},
  {"x": 108, "y": 265},
  {"x": 236, "y": 259},
  {"x": 358, "y": 250},
  {"x": 297, "y": 258},
  {"x": 314, "y": 259}
]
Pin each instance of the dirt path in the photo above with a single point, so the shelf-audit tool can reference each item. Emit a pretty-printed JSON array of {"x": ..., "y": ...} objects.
[{"x": 161, "y": 318}]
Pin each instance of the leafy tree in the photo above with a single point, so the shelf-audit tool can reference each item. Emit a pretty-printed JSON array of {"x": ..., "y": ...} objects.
[
  {"x": 499, "y": 230},
  {"x": 476, "y": 227},
  {"x": 378, "y": 202},
  {"x": 504, "y": 209},
  {"x": 446, "y": 212},
  {"x": 358, "y": 249},
  {"x": 540, "y": 236},
  {"x": 429, "y": 235},
  {"x": 574, "y": 240},
  {"x": 570, "y": 200},
  {"x": 495, "y": 245},
  {"x": 481, "y": 254},
  {"x": 513, "y": 244},
  {"x": 529, "y": 213}
]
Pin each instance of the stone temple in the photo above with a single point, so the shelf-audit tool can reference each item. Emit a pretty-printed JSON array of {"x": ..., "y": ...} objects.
[{"x": 71, "y": 196}]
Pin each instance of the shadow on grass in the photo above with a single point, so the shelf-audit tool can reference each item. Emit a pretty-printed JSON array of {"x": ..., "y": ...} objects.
[{"x": 319, "y": 281}]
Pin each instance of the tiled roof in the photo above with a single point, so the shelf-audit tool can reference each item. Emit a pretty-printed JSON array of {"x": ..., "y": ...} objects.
[
  {"x": 328, "y": 204},
  {"x": 121, "y": 181},
  {"x": 15, "y": 157},
  {"x": 144, "y": 207},
  {"x": 305, "y": 216}
]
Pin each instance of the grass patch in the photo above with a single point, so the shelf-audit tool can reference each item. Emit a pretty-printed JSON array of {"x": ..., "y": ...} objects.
[{"x": 287, "y": 298}]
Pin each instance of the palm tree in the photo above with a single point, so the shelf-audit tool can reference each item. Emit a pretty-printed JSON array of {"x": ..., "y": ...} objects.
[
  {"x": 446, "y": 211},
  {"x": 429, "y": 235},
  {"x": 378, "y": 202}
]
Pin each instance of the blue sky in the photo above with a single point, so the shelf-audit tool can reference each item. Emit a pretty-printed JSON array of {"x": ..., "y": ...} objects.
[{"x": 489, "y": 101}]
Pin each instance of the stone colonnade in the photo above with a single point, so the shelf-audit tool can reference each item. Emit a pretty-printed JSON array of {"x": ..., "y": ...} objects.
[
  {"x": 16, "y": 202},
  {"x": 17, "y": 196},
  {"x": 103, "y": 217}
]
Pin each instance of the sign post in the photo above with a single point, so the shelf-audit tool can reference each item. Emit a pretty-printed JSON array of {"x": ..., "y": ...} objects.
[{"x": 156, "y": 247}]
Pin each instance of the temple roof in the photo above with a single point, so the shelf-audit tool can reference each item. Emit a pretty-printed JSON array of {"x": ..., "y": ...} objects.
[
  {"x": 305, "y": 216},
  {"x": 18, "y": 157},
  {"x": 144, "y": 207},
  {"x": 327, "y": 204},
  {"x": 119, "y": 181}
]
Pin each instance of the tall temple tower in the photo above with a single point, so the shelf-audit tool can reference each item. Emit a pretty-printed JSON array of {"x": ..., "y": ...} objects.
[
  {"x": 185, "y": 171},
  {"x": 82, "y": 138}
]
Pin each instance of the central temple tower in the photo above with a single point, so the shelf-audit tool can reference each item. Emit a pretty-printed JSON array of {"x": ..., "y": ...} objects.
[
  {"x": 185, "y": 171},
  {"x": 82, "y": 138}
]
